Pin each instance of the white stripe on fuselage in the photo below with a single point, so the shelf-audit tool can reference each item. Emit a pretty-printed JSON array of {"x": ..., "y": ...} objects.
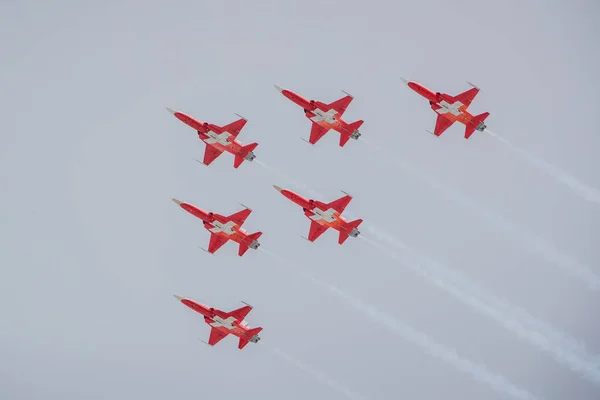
[
  {"x": 225, "y": 323},
  {"x": 321, "y": 115},
  {"x": 450, "y": 108},
  {"x": 214, "y": 137},
  {"x": 226, "y": 228},
  {"x": 322, "y": 215}
]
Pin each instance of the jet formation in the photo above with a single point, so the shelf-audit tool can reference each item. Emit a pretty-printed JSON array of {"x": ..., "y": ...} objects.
[{"x": 324, "y": 117}]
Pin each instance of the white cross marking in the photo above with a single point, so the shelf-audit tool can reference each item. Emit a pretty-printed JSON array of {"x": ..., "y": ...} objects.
[
  {"x": 225, "y": 228},
  {"x": 450, "y": 108},
  {"x": 225, "y": 323},
  {"x": 320, "y": 214},
  {"x": 324, "y": 116},
  {"x": 214, "y": 137}
]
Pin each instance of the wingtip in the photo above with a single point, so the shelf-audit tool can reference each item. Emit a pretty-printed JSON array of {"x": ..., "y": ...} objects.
[
  {"x": 245, "y": 206},
  {"x": 279, "y": 88},
  {"x": 277, "y": 188},
  {"x": 202, "y": 248},
  {"x": 245, "y": 119},
  {"x": 198, "y": 161}
]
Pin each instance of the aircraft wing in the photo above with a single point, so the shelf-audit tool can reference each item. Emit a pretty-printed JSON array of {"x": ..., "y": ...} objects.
[
  {"x": 316, "y": 230},
  {"x": 216, "y": 241},
  {"x": 241, "y": 313},
  {"x": 210, "y": 154},
  {"x": 240, "y": 217},
  {"x": 341, "y": 104},
  {"x": 467, "y": 97},
  {"x": 316, "y": 133},
  {"x": 340, "y": 204},
  {"x": 216, "y": 336},
  {"x": 441, "y": 124},
  {"x": 235, "y": 127}
]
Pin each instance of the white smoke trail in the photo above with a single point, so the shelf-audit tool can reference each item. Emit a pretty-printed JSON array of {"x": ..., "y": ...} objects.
[
  {"x": 316, "y": 374},
  {"x": 549, "y": 252},
  {"x": 569, "y": 342},
  {"x": 478, "y": 371},
  {"x": 585, "y": 191},
  {"x": 582, "y": 365}
]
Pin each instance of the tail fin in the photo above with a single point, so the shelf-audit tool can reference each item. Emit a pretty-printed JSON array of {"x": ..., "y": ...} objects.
[
  {"x": 354, "y": 127},
  {"x": 245, "y": 150},
  {"x": 347, "y": 229},
  {"x": 244, "y": 246},
  {"x": 476, "y": 123},
  {"x": 245, "y": 339}
]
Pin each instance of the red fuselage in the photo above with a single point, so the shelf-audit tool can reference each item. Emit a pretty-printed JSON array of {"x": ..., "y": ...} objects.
[
  {"x": 296, "y": 198},
  {"x": 423, "y": 91},
  {"x": 205, "y": 216},
  {"x": 308, "y": 105}
]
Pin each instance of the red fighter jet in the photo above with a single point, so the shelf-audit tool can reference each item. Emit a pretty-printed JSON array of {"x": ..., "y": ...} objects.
[
  {"x": 220, "y": 138},
  {"x": 324, "y": 216},
  {"x": 326, "y": 116},
  {"x": 224, "y": 323},
  {"x": 451, "y": 109},
  {"x": 222, "y": 229}
]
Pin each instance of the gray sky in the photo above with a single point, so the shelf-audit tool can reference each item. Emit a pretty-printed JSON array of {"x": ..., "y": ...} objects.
[{"x": 93, "y": 248}]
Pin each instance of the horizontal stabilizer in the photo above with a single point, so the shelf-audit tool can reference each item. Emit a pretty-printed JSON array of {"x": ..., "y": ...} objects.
[
  {"x": 246, "y": 153},
  {"x": 354, "y": 134},
  {"x": 354, "y": 224},
  {"x": 476, "y": 124},
  {"x": 357, "y": 124},
  {"x": 251, "y": 335},
  {"x": 348, "y": 229},
  {"x": 251, "y": 240}
]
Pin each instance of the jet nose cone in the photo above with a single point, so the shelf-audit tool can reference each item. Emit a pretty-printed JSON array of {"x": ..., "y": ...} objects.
[
  {"x": 277, "y": 188},
  {"x": 279, "y": 88},
  {"x": 178, "y": 297},
  {"x": 404, "y": 80},
  {"x": 170, "y": 110},
  {"x": 178, "y": 202}
]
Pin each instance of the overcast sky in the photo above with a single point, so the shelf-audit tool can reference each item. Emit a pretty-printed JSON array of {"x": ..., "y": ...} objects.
[{"x": 92, "y": 248}]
